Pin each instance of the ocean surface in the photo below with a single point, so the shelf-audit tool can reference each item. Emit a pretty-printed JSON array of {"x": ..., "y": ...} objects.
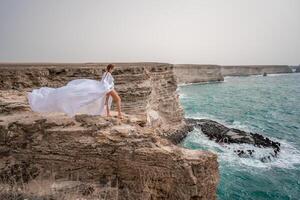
[{"x": 267, "y": 105}]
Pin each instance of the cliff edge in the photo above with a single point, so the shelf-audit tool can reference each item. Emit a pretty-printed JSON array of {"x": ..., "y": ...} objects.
[
  {"x": 92, "y": 157},
  {"x": 193, "y": 73},
  {"x": 189, "y": 73},
  {"x": 246, "y": 70}
]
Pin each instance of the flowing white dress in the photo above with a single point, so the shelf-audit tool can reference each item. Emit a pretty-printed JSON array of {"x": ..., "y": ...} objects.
[{"x": 85, "y": 96}]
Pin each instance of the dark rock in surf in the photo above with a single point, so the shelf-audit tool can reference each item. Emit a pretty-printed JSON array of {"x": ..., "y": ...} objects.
[{"x": 222, "y": 134}]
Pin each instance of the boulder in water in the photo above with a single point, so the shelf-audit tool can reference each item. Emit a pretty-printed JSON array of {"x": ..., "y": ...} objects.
[{"x": 222, "y": 134}]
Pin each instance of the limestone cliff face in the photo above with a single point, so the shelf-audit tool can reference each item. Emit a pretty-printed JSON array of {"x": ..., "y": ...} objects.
[
  {"x": 244, "y": 70},
  {"x": 188, "y": 73},
  {"x": 95, "y": 157},
  {"x": 148, "y": 89}
]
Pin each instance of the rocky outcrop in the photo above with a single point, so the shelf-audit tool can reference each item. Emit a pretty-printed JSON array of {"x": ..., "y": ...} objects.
[
  {"x": 146, "y": 89},
  {"x": 52, "y": 156},
  {"x": 244, "y": 70},
  {"x": 188, "y": 73},
  {"x": 222, "y": 134},
  {"x": 295, "y": 68}
]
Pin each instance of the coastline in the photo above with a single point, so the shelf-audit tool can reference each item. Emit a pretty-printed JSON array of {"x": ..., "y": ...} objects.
[
  {"x": 187, "y": 73},
  {"x": 127, "y": 156},
  {"x": 154, "y": 117},
  {"x": 265, "y": 105}
]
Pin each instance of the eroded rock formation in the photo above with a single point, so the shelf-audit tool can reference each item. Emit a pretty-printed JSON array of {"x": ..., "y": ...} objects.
[
  {"x": 146, "y": 89},
  {"x": 222, "y": 134},
  {"x": 94, "y": 157},
  {"x": 187, "y": 73},
  {"x": 246, "y": 70}
]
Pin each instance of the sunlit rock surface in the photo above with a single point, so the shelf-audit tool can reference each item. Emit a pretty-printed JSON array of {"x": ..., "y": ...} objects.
[
  {"x": 95, "y": 157},
  {"x": 188, "y": 73},
  {"x": 246, "y": 70},
  {"x": 194, "y": 73}
]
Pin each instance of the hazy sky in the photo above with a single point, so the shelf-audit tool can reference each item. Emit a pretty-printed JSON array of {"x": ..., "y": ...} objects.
[{"x": 175, "y": 31}]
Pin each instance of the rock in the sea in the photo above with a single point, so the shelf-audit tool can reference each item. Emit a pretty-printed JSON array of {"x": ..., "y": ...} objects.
[{"x": 222, "y": 134}]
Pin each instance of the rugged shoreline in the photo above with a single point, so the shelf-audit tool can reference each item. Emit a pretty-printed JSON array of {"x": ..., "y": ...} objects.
[
  {"x": 94, "y": 157},
  {"x": 224, "y": 135},
  {"x": 187, "y": 73}
]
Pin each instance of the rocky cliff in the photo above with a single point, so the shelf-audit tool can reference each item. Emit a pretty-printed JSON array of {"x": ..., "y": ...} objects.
[
  {"x": 244, "y": 70},
  {"x": 147, "y": 89},
  {"x": 188, "y": 73},
  {"x": 51, "y": 156},
  {"x": 224, "y": 135}
]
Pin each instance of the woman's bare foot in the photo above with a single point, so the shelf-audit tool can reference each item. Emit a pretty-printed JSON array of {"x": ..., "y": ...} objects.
[{"x": 120, "y": 116}]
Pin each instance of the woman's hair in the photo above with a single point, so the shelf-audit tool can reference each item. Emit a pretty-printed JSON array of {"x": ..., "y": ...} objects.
[{"x": 109, "y": 67}]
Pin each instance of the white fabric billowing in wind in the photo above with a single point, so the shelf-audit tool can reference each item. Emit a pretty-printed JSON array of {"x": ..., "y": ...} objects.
[{"x": 83, "y": 96}]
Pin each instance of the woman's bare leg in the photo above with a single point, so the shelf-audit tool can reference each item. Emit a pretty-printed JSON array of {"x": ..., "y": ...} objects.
[
  {"x": 117, "y": 99},
  {"x": 107, "y": 106}
]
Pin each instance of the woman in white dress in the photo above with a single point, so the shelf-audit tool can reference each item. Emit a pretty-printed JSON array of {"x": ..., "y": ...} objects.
[{"x": 83, "y": 96}]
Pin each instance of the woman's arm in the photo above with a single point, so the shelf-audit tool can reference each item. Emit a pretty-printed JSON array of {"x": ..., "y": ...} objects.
[{"x": 110, "y": 80}]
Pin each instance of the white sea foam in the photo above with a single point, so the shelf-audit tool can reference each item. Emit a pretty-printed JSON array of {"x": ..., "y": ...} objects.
[
  {"x": 184, "y": 84},
  {"x": 202, "y": 116},
  {"x": 288, "y": 156},
  {"x": 235, "y": 124},
  {"x": 199, "y": 83},
  {"x": 183, "y": 96},
  {"x": 256, "y": 75},
  {"x": 279, "y": 74}
]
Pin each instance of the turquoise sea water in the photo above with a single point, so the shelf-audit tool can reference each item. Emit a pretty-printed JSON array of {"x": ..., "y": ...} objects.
[{"x": 267, "y": 105}]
